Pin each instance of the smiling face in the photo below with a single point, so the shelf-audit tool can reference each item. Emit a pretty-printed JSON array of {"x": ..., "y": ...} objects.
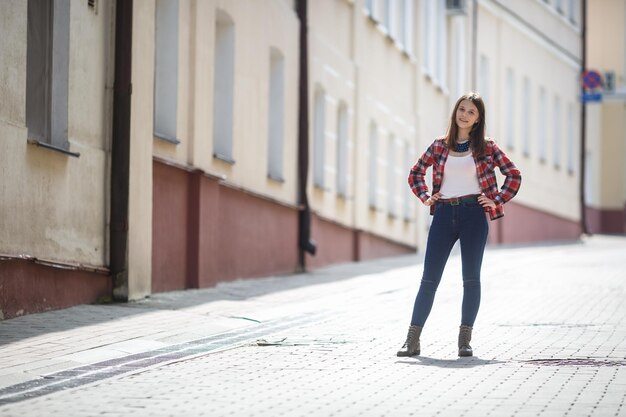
[{"x": 466, "y": 115}]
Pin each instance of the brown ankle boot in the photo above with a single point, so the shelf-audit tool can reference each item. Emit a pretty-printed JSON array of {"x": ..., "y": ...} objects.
[
  {"x": 412, "y": 345},
  {"x": 465, "y": 336}
]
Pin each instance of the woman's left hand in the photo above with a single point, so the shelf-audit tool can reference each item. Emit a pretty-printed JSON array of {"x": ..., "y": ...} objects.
[{"x": 485, "y": 201}]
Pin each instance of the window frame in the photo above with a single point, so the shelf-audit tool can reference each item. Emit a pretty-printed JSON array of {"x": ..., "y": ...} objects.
[
  {"x": 165, "y": 124},
  {"x": 47, "y": 82}
]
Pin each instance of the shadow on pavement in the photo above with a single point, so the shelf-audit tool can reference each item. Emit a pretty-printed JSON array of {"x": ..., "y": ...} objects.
[
  {"x": 32, "y": 325},
  {"x": 450, "y": 363}
]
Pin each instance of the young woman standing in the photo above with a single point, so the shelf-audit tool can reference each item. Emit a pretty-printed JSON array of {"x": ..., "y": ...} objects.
[{"x": 462, "y": 193}]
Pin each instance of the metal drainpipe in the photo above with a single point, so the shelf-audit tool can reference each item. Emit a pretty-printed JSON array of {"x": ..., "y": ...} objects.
[
  {"x": 305, "y": 243},
  {"x": 583, "y": 123},
  {"x": 120, "y": 149}
]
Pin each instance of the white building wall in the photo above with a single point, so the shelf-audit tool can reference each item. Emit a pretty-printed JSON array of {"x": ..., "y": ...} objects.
[
  {"x": 259, "y": 27},
  {"x": 519, "y": 36}
]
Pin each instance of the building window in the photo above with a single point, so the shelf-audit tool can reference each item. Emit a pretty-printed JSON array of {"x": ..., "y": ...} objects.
[
  {"x": 574, "y": 10},
  {"x": 407, "y": 27},
  {"x": 370, "y": 7},
  {"x": 166, "y": 70},
  {"x": 391, "y": 176},
  {"x": 526, "y": 116},
  {"x": 276, "y": 115},
  {"x": 541, "y": 125},
  {"x": 457, "y": 55},
  {"x": 388, "y": 14},
  {"x": 399, "y": 34},
  {"x": 483, "y": 79},
  {"x": 373, "y": 166},
  {"x": 510, "y": 109},
  {"x": 223, "y": 87},
  {"x": 571, "y": 142},
  {"x": 556, "y": 135},
  {"x": 441, "y": 48},
  {"x": 428, "y": 36},
  {"x": 435, "y": 41},
  {"x": 319, "y": 138},
  {"x": 559, "y": 6},
  {"x": 342, "y": 151},
  {"x": 407, "y": 194},
  {"x": 47, "y": 73}
]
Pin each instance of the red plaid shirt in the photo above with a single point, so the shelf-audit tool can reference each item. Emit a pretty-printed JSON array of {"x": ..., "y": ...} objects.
[{"x": 436, "y": 156}]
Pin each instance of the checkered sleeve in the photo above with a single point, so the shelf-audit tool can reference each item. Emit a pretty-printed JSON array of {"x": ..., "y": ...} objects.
[
  {"x": 417, "y": 174},
  {"x": 513, "y": 176}
]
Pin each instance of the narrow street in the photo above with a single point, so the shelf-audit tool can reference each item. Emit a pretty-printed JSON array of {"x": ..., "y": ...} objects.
[{"x": 550, "y": 340}]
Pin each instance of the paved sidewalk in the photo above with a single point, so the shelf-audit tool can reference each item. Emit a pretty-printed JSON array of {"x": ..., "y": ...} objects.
[{"x": 550, "y": 340}]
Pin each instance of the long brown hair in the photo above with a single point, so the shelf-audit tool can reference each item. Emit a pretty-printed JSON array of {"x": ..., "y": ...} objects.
[{"x": 477, "y": 134}]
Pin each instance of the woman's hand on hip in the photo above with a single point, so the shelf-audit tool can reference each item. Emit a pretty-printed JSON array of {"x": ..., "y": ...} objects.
[
  {"x": 485, "y": 201},
  {"x": 432, "y": 199}
]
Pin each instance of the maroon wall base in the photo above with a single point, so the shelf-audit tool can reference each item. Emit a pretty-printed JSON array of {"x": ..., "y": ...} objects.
[
  {"x": 26, "y": 287},
  {"x": 205, "y": 232},
  {"x": 522, "y": 224},
  {"x": 606, "y": 221},
  {"x": 373, "y": 247},
  {"x": 170, "y": 199},
  {"x": 337, "y": 243},
  {"x": 255, "y": 237}
]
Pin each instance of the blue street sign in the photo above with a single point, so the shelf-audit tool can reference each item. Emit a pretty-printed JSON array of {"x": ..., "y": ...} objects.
[{"x": 591, "y": 97}]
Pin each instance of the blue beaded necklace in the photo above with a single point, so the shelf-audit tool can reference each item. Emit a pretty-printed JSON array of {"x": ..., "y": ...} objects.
[{"x": 462, "y": 147}]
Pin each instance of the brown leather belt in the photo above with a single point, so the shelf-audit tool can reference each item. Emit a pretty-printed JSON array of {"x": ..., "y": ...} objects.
[{"x": 455, "y": 201}]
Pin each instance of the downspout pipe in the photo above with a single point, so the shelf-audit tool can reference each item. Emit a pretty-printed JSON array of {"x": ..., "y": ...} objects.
[
  {"x": 305, "y": 243},
  {"x": 583, "y": 124},
  {"x": 120, "y": 149}
]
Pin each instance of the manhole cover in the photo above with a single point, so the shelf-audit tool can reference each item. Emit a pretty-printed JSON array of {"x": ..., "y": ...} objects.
[{"x": 576, "y": 362}]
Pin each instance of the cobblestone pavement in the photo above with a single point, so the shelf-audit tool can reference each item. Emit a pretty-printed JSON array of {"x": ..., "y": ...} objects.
[{"x": 550, "y": 340}]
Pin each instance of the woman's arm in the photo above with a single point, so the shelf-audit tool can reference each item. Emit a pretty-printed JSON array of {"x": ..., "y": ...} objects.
[
  {"x": 417, "y": 175},
  {"x": 513, "y": 176}
]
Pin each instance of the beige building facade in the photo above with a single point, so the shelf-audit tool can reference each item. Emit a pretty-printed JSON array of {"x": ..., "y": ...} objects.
[
  {"x": 605, "y": 185},
  {"x": 527, "y": 67},
  {"x": 55, "y": 169},
  {"x": 206, "y": 143}
]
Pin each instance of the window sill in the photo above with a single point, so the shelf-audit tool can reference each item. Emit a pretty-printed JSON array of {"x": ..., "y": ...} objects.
[
  {"x": 409, "y": 56},
  {"x": 276, "y": 178},
  {"x": 166, "y": 139},
  {"x": 53, "y": 148},
  {"x": 371, "y": 18},
  {"x": 224, "y": 158},
  {"x": 320, "y": 187}
]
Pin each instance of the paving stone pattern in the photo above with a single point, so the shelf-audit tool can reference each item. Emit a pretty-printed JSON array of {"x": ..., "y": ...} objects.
[{"x": 550, "y": 340}]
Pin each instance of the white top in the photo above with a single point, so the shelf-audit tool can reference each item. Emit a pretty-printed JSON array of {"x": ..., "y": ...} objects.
[{"x": 459, "y": 177}]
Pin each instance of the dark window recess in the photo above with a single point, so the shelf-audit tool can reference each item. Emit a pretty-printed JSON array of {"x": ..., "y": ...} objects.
[{"x": 47, "y": 72}]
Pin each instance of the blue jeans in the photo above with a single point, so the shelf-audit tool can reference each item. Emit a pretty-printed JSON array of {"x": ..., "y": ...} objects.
[{"x": 465, "y": 222}]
